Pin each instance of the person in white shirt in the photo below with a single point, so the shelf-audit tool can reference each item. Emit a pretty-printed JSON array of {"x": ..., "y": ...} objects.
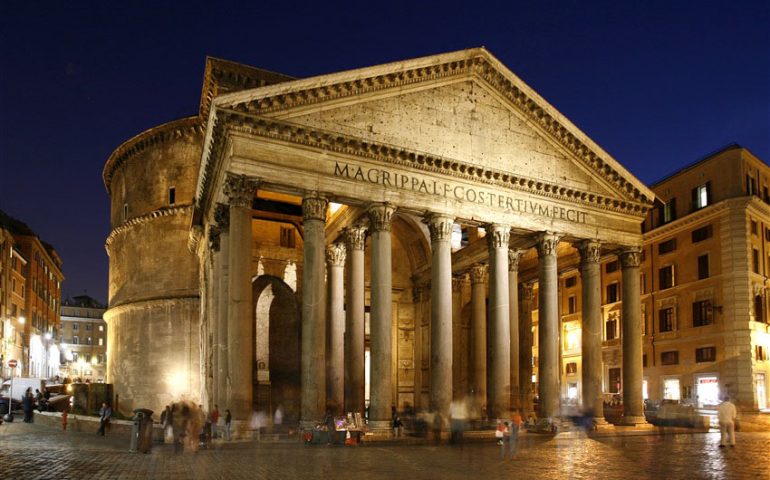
[{"x": 726, "y": 414}]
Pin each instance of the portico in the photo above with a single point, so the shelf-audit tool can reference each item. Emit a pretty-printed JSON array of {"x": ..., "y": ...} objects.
[{"x": 410, "y": 154}]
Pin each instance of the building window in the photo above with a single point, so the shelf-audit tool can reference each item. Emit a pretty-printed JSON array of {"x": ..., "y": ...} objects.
[
  {"x": 101, "y": 341},
  {"x": 611, "y": 267},
  {"x": 760, "y": 352},
  {"x": 571, "y": 368},
  {"x": 751, "y": 185},
  {"x": 74, "y": 356},
  {"x": 755, "y": 260},
  {"x": 666, "y": 277},
  {"x": 287, "y": 237},
  {"x": 759, "y": 311},
  {"x": 612, "y": 292},
  {"x": 669, "y": 358},
  {"x": 88, "y": 327},
  {"x": 572, "y": 304},
  {"x": 705, "y": 354},
  {"x": 570, "y": 282},
  {"x": 702, "y": 313},
  {"x": 101, "y": 328},
  {"x": 754, "y": 229},
  {"x": 611, "y": 329},
  {"x": 172, "y": 195},
  {"x": 75, "y": 326},
  {"x": 702, "y": 233},
  {"x": 668, "y": 211},
  {"x": 667, "y": 247},
  {"x": 76, "y": 340},
  {"x": 703, "y": 267},
  {"x": 89, "y": 341},
  {"x": 700, "y": 196},
  {"x": 614, "y": 380},
  {"x": 666, "y": 319}
]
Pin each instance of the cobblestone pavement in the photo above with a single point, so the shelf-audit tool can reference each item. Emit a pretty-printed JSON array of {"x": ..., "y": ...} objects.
[{"x": 42, "y": 452}]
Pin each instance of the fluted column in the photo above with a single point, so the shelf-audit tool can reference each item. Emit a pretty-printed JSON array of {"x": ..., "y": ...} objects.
[
  {"x": 240, "y": 191},
  {"x": 222, "y": 218},
  {"x": 513, "y": 302},
  {"x": 355, "y": 238},
  {"x": 335, "y": 260},
  {"x": 440, "y": 227},
  {"x": 381, "y": 378},
  {"x": 591, "y": 342},
  {"x": 479, "y": 338},
  {"x": 212, "y": 298},
  {"x": 548, "y": 326},
  {"x": 633, "y": 403},
  {"x": 526, "y": 340},
  {"x": 313, "y": 406},
  {"x": 499, "y": 386}
]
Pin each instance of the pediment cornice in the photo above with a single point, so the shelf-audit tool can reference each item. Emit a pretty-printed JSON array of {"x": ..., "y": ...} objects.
[
  {"x": 230, "y": 121},
  {"x": 478, "y": 64}
]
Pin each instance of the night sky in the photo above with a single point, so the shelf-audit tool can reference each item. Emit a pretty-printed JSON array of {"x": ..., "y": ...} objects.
[{"x": 657, "y": 84}]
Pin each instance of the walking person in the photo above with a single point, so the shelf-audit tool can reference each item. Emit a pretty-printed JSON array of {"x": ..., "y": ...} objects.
[
  {"x": 726, "y": 413},
  {"x": 27, "y": 404},
  {"x": 513, "y": 441},
  {"x": 500, "y": 436},
  {"x": 214, "y": 420},
  {"x": 104, "y": 418},
  {"x": 228, "y": 421}
]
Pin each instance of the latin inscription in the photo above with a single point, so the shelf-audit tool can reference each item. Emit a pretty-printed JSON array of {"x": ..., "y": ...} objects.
[{"x": 413, "y": 183}]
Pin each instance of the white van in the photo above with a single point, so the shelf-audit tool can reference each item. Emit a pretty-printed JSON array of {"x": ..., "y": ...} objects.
[{"x": 20, "y": 385}]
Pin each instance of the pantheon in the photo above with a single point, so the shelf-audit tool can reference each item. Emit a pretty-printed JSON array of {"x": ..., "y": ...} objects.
[{"x": 389, "y": 236}]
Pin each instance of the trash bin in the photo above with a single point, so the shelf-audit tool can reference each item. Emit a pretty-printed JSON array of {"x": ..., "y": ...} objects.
[{"x": 141, "y": 431}]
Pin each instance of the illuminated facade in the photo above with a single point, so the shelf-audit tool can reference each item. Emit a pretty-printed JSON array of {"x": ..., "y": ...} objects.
[{"x": 83, "y": 339}]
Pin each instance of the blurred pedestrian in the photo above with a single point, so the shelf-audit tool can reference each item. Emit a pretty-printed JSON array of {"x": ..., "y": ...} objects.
[
  {"x": 104, "y": 418},
  {"x": 228, "y": 422},
  {"x": 27, "y": 404},
  {"x": 64, "y": 415},
  {"x": 398, "y": 426},
  {"x": 513, "y": 441},
  {"x": 214, "y": 420},
  {"x": 726, "y": 414}
]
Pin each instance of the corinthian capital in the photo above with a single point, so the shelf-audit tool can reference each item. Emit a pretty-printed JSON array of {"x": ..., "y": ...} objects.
[
  {"x": 355, "y": 237},
  {"x": 239, "y": 189},
  {"x": 314, "y": 207},
  {"x": 440, "y": 227},
  {"x": 498, "y": 235},
  {"x": 514, "y": 255},
  {"x": 380, "y": 216},
  {"x": 546, "y": 243},
  {"x": 222, "y": 217},
  {"x": 590, "y": 251},
  {"x": 478, "y": 273},
  {"x": 630, "y": 257},
  {"x": 335, "y": 254}
]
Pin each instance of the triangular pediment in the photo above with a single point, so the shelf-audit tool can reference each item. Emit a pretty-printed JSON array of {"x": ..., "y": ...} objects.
[{"x": 464, "y": 107}]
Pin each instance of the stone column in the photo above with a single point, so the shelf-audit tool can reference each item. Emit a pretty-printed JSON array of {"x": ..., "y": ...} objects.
[
  {"x": 440, "y": 227},
  {"x": 355, "y": 238},
  {"x": 222, "y": 217},
  {"x": 212, "y": 298},
  {"x": 335, "y": 260},
  {"x": 313, "y": 405},
  {"x": 240, "y": 191},
  {"x": 499, "y": 386},
  {"x": 548, "y": 326},
  {"x": 381, "y": 383},
  {"x": 513, "y": 302},
  {"x": 633, "y": 403},
  {"x": 525, "y": 348},
  {"x": 479, "y": 339},
  {"x": 591, "y": 342}
]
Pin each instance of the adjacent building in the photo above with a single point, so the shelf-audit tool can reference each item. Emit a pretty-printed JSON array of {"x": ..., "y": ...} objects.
[
  {"x": 12, "y": 308},
  {"x": 36, "y": 325},
  {"x": 83, "y": 339}
]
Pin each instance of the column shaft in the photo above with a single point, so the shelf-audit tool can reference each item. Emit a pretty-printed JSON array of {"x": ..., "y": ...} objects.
[
  {"x": 335, "y": 257},
  {"x": 513, "y": 302},
  {"x": 479, "y": 339},
  {"x": 240, "y": 326},
  {"x": 441, "y": 314},
  {"x": 526, "y": 341},
  {"x": 222, "y": 217},
  {"x": 633, "y": 404},
  {"x": 499, "y": 324},
  {"x": 313, "y": 384},
  {"x": 354, "y": 320},
  {"x": 381, "y": 323},
  {"x": 591, "y": 341},
  {"x": 548, "y": 326}
]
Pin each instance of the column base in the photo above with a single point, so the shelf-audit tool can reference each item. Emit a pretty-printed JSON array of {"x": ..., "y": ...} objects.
[
  {"x": 381, "y": 427},
  {"x": 634, "y": 421}
]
